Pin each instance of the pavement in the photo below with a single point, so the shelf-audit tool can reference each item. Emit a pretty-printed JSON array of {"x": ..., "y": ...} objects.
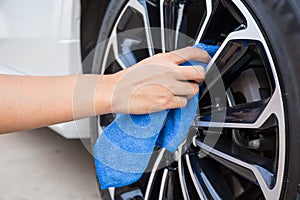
[{"x": 41, "y": 165}]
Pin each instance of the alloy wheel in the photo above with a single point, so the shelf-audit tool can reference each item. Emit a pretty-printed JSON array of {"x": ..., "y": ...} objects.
[{"x": 236, "y": 146}]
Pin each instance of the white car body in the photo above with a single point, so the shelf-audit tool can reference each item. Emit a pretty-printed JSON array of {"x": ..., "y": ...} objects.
[{"x": 42, "y": 37}]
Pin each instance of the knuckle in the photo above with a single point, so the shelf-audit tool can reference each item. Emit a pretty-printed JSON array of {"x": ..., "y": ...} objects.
[
  {"x": 196, "y": 89},
  {"x": 167, "y": 56},
  {"x": 192, "y": 51},
  {"x": 164, "y": 100},
  {"x": 183, "y": 102},
  {"x": 160, "y": 54},
  {"x": 206, "y": 56},
  {"x": 169, "y": 72},
  {"x": 200, "y": 72}
]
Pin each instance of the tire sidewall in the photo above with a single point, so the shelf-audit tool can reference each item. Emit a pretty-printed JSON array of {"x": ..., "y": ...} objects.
[{"x": 277, "y": 20}]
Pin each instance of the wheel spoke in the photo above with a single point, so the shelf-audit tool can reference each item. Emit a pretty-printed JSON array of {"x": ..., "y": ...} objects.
[
  {"x": 116, "y": 51},
  {"x": 172, "y": 16},
  {"x": 144, "y": 11},
  {"x": 112, "y": 43},
  {"x": 169, "y": 24},
  {"x": 206, "y": 187},
  {"x": 263, "y": 177},
  {"x": 251, "y": 32},
  {"x": 195, "y": 179},
  {"x": 141, "y": 7},
  {"x": 162, "y": 25},
  {"x": 210, "y": 187},
  {"x": 169, "y": 10},
  {"x": 126, "y": 58},
  {"x": 163, "y": 184},
  {"x": 243, "y": 113},
  {"x": 179, "y": 22},
  {"x": 209, "y": 10},
  {"x": 153, "y": 172},
  {"x": 182, "y": 180},
  {"x": 112, "y": 193},
  {"x": 274, "y": 106}
]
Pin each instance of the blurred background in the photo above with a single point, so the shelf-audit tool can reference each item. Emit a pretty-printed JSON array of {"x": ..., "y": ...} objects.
[{"x": 40, "y": 164}]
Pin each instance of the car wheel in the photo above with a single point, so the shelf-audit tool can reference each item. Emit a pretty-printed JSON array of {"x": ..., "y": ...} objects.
[{"x": 245, "y": 141}]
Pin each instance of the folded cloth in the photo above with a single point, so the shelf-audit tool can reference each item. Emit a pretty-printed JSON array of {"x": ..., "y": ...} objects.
[{"x": 124, "y": 148}]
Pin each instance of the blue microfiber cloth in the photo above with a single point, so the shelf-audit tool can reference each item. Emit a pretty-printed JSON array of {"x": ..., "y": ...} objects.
[{"x": 124, "y": 148}]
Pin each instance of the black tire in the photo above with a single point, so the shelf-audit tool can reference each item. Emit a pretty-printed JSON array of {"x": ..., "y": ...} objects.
[
  {"x": 109, "y": 20},
  {"x": 280, "y": 22}
]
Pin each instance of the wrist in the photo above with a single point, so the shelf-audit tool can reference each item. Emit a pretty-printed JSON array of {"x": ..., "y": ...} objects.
[{"x": 104, "y": 93}]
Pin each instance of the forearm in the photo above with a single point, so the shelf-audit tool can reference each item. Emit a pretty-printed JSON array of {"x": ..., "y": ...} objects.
[
  {"x": 29, "y": 102},
  {"x": 152, "y": 85}
]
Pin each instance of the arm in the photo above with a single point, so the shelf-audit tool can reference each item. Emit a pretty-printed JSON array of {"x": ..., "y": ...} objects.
[{"x": 154, "y": 84}]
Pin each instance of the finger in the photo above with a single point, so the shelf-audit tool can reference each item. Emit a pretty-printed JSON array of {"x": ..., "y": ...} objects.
[
  {"x": 191, "y": 73},
  {"x": 188, "y": 53},
  {"x": 186, "y": 89},
  {"x": 177, "y": 102},
  {"x": 195, "y": 88}
]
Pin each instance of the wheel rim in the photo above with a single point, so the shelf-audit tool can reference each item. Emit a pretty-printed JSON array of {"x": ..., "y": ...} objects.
[{"x": 248, "y": 154}]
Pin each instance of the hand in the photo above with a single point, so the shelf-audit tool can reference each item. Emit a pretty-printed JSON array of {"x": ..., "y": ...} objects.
[{"x": 158, "y": 83}]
